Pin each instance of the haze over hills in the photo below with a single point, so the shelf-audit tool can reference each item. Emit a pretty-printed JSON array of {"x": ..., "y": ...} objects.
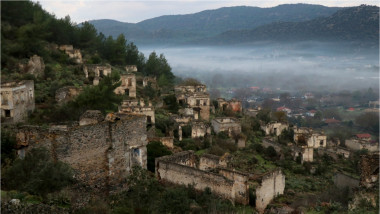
[
  {"x": 349, "y": 24},
  {"x": 184, "y": 28}
]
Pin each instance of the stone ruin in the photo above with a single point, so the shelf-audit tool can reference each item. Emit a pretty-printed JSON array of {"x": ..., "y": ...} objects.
[
  {"x": 233, "y": 105},
  {"x": 128, "y": 85},
  {"x": 131, "y": 68},
  {"x": 369, "y": 170},
  {"x": 95, "y": 72},
  {"x": 91, "y": 117},
  {"x": 101, "y": 152},
  {"x": 227, "y": 124},
  {"x": 17, "y": 100},
  {"x": 150, "y": 81},
  {"x": 307, "y": 137},
  {"x": 72, "y": 53},
  {"x": 134, "y": 106},
  {"x": 35, "y": 66},
  {"x": 274, "y": 128},
  {"x": 185, "y": 168},
  {"x": 65, "y": 94},
  {"x": 195, "y": 97}
]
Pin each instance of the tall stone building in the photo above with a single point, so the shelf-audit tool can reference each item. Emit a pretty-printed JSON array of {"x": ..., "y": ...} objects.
[{"x": 195, "y": 97}]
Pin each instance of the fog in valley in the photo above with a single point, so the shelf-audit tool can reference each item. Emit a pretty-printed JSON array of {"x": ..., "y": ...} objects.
[{"x": 296, "y": 67}]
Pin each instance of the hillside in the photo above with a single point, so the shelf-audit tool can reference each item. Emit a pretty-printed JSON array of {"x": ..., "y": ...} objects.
[
  {"x": 356, "y": 23},
  {"x": 176, "y": 28}
]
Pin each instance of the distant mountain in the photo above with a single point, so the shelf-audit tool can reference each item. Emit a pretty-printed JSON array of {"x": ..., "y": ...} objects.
[
  {"x": 349, "y": 24},
  {"x": 180, "y": 28}
]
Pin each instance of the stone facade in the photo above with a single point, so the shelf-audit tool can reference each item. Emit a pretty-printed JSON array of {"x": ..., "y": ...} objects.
[
  {"x": 96, "y": 72},
  {"x": 181, "y": 168},
  {"x": 200, "y": 129},
  {"x": 131, "y": 68},
  {"x": 233, "y": 105},
  {"x": 195, "y": 97},
  {"x": 150, "y": 81},
  {"x": 272, "y": 184},
  {"x": 72, "y": 53},
  {"x": 227, "y": 124},
  {"x": 17, "y": 100},
  {"x": 307, "y": 136},
  {"x": 35, "y": 66},
  {"x": 128, "y": 85},
  {"x": 91, "y": 117},
  {"x": 358, "y": 144},
  {"x": 274, "y": 128},
  {"x": 102, "y": 154},
  {"x": 369, "y": 170},
  {"x": 66, "y": 94},
  {"x": 210, "y": 171},
  {"x": 138, "y": 107}
]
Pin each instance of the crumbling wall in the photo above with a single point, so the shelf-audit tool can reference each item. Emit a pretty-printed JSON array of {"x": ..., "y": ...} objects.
[
  {"x": 128, "y": 85},
  {"x": 199, "y": 129},
  {"x": 66, "y": 94},
  {"x": 272, "y": 185},
  {"x": 169, "y": 168},
  {"x": 208, "y": 161},
  {"x": 274, "y": 128},
  {"x": 369, "y": 170},
  {"x": 102, "y": 155},
  {"x": 232, "y": 126},
  {"x": 35, "y": 66},
  {"x": 356, "y": 145}
]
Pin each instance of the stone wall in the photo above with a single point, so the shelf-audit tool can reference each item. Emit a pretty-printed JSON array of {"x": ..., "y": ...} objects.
[
  {"x": 199, "y": 129},
  {"x": 369, "y": 170},
  {"x": 17, "y": 100},
  {"x": 356, "y": 145},
  {"x": 272, "y": 185},
  {"x": 230, "y": 125},
  {"x": 274, "y": 128},
  {"x": 128, "y": 85},
  {"x": 102, "y": 155},
  {"x": 66, "y": 94},
  {"x": 180, "y": 168},
  {"x": 35, "y": 66}
]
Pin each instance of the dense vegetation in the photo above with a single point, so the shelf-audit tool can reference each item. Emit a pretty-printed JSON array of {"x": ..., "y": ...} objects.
[
  {"x": 351, "y": 24},
  {"x": 178, "y": 28}
]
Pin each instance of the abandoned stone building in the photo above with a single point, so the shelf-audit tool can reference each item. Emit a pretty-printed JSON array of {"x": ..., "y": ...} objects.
[
  {"x": 195, "y": 97},
  {"x": 72, "y": 53},
  {"x": 233, "y": 105},
  {"x": 34, "y": 66},
  {"x": 66, "y": 94},
  {"x": 139, "y": 107},
  {"x": 102, "y": 154},
  {"x": 306, "y": 136},
  {"x": 17, "y": 100},
  {"x": 95, "y": 72},
  {"x": 362, "y": 141},
  {"x": 130, "y": 68},
  {"x": 211, "y": 171},
  {"x": 274, "y": 128},
  {"x": 128, "y": 85},
  {"x": 226, "y": 124},
  {"x": 150, "y": 81},
  {"x": 251, "y": 112},
  {"x": 200, "y": 129}
]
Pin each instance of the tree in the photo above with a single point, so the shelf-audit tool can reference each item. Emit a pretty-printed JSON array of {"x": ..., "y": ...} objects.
[
  {"x": 159, "y": 68},
  {"x": 155, "y": 149},
  {"x": 369, "y": 121},
  {"x": 280, "y": 116}
]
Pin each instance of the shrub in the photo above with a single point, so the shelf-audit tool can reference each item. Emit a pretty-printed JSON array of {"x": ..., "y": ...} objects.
[
  {"x": 155, "y": 149},
  {"x": 38, "y": 174}
]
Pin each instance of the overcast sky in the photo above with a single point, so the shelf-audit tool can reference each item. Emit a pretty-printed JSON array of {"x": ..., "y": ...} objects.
[{"x": 136, "y": 11}]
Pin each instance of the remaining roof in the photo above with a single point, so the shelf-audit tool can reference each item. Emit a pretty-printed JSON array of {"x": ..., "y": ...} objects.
[
  {"x": 365, "y": 135},
  {"x": 350, "y": 109},
  {"x": 313, "y": 111}
]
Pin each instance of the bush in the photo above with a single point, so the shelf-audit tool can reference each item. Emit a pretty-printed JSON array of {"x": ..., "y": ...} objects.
[{"x": 37, "y": 174}]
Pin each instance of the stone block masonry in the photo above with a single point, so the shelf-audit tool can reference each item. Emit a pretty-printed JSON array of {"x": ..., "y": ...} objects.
[{"x": 102, "y": 155}]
